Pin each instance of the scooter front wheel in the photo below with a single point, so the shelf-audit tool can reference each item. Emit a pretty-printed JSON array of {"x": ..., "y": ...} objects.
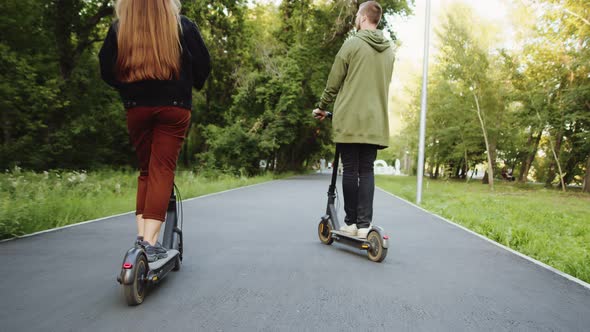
[
  {"x": 325, "y": 232},
  {"x": 376, "y": 252},
  {"x": 135, "y": 292},
  {"x": 177, "y": 264},
  {"x": 178, "y": 246}
]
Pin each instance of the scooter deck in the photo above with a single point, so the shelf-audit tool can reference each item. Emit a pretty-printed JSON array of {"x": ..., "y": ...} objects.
[
  {"x": 172, "y": 253},
  {"x": 338, "y": 234}
]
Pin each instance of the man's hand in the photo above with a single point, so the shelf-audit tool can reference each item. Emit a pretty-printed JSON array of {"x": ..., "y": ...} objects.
[{"x": 319, "y": 114}]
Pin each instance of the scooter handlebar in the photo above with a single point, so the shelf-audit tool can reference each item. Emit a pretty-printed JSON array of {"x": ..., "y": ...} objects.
[{"x": 317, "y": 115}]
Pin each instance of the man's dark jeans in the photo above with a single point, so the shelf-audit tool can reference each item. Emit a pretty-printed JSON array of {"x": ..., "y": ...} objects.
[{"x": 358, "y": 182}]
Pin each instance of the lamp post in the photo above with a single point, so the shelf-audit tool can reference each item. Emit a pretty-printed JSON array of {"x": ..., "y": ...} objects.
[{"x": 424, "y": 106}]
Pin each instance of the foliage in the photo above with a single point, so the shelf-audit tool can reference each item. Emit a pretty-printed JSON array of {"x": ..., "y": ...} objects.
[
  {"x": 53, "y": 114},
  {"x": 32, "y": 202},
  {"x": 277, "y": 81},
  {"x": 533, "y": 98},
  {"x": 270, "y": 63}
]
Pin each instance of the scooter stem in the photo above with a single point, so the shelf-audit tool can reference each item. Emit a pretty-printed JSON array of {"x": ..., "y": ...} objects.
[{"x": 332, "y": 189}]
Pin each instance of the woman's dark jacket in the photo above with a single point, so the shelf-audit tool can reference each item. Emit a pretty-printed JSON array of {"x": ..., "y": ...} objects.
[{"x": 195, "y": 68}]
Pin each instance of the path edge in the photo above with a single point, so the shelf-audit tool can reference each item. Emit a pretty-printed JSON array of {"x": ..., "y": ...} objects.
[{"x": 519, "y": 254}]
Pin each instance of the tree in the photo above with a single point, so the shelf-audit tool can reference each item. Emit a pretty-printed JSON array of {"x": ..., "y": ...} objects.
[
  {"x": 465, "y": 63},
  {"x": 280, "y": 80},
  {"x": 551, "y": 77},
  {"x": 49, "y": 87}
]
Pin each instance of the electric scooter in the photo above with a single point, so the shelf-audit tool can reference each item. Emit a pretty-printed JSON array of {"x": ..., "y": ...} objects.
[
  {"x": 137, "y": 274},
  {"x": 376, "y": 243}
]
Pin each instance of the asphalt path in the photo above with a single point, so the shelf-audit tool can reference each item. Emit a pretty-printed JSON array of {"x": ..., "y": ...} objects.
[{"x": 253, "y": 262}]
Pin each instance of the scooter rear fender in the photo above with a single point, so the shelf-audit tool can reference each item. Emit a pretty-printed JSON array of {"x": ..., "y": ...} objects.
[{"x": 132, "y": 256}]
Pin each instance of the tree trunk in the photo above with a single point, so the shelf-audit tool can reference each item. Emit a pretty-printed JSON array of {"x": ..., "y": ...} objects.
[
  {"x": 73, "y": 36},
  {"x": 69, "y": 28},
  {"x": 467, "y": 168},
  {"x": 5, "y": 128},
  {"x": 570, "y": 166},
  {"x": 437, "y": 170},
  {"x": 574, "y": 159},
  {"x": 485, "y": 136},
  {"x": 185, "y": 145},
  {"x": 64, "y": 14},
  {"x": 493, "y": 155},
  {"x": 529, "y": 157},
  {"x": 457, "y": 174},
  {"x": 586, "y": 188},
  {"x": 555, "y": 149}
]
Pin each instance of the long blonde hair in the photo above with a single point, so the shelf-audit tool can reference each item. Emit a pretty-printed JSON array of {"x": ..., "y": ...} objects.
[{"x": 148, "y": 40}]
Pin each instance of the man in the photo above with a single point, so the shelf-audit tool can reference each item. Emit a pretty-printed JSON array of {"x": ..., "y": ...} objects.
[{"x": 359, "y": 83}]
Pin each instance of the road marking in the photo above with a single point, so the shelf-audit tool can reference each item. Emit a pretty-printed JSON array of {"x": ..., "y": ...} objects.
[
  {"x": 126, "y": 213},
  {"x": 530, "y": 259}
]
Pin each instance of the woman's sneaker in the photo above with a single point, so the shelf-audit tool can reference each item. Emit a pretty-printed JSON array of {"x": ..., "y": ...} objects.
[
  {"x": 138, "y": 242},
  {"x": 154, "y": 252},
  {"x": 349, "y": 230}
]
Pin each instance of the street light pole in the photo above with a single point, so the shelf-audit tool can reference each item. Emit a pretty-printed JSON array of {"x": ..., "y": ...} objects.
[{"x": 424, "y": 106}]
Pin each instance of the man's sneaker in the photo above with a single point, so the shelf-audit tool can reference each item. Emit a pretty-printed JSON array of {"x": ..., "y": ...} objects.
[
  {"x": 363, "y": 232},
  {"x": 154, "y": 252},
  {"x": 349, "y": 230}
]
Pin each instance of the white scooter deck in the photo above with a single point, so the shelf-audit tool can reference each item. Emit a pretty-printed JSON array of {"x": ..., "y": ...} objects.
[{"x": 346, "y": 235}]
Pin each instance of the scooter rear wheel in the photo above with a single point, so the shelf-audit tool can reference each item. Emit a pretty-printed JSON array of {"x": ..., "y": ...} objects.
[
  {"x": 325, "y": 232},
  {"x": 376, "y": 253},
  {"x": 135, "y": 292}
]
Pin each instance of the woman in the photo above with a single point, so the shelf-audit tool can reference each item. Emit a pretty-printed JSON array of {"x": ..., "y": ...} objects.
[{"x": 153, "y": 57}]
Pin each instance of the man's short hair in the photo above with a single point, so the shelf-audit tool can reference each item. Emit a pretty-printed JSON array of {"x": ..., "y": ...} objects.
[{"x": 373, "y": 11}]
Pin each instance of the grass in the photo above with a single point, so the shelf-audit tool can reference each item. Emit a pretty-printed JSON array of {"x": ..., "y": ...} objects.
[
  {"x": 548, "y": 225},
  {"x": 32, "y": 202}
]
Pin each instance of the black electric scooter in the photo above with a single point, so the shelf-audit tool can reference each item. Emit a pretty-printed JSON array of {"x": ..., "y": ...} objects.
[
  {"x": 137, "y": 274},
  {"x": 375, "y": 244}
]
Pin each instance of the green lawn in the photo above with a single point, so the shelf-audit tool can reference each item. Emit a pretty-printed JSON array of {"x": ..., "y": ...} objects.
[
  {"x": 548, "y": 225},
  {"x": 32, "y": 202}
]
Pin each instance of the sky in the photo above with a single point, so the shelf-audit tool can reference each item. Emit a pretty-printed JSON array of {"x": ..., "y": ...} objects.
[{"x": 410, "y": 30}]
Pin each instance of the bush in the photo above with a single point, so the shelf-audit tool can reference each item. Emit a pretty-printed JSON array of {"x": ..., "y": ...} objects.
[{"x": 231, "y": 149}]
